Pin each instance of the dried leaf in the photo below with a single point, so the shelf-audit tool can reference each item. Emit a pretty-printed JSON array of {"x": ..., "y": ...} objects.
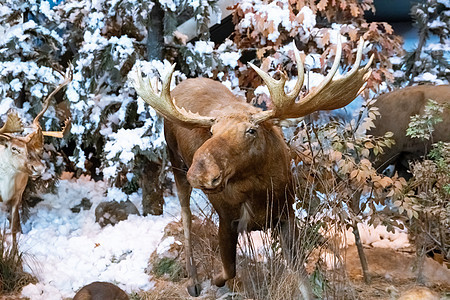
[
  {"x": 373, "y": 27},
  {"x": 322, "y": 5},
  {"x": 326, "y": 37},
  {"x": 354, "y": 9},
  {"x": 353, "y": 34},
  {"x": 368, "y": 145},
  {"x": 388, "y": 28}
]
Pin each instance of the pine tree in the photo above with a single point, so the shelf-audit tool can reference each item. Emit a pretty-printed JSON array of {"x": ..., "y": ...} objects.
[{"x": 429, "y": 61}]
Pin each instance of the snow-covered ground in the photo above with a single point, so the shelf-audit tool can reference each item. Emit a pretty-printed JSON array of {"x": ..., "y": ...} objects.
[{"x": 67, "y": 250}]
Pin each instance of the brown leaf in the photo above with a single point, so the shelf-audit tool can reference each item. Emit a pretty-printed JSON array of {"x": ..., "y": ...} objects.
[
  {"x": 388, "y": 28},
  {"x": 322, "y": 5},
  {"x": 354, "y": 9},
  {"x": 353, "y": 34},
  {"x": 326, "y": 37},
  {"x": 373, "y": 27}
]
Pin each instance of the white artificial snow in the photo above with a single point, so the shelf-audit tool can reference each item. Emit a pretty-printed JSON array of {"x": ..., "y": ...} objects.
[
  {"x": 5, "y": 106},
  {"x": 67, "y": 250},
  {"x": 230, "y": 58},
  {"x": 379, "y": 237},
  {"x": 312, "y": 61},
  {"x": 16, "y": 85},
  {"x": 437, "y": 23},
  {"x": 203, "y": 47},
  {"x": 309, "y": 19}
]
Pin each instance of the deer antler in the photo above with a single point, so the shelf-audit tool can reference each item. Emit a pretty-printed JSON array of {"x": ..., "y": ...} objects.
[
  {"x": 67, "y": 79},
  {"x": 330, "y": 94},
  {"x": 62, "y": 133},
  {"x": 13, "y": 124},
  {"x": 164, "y": 103},
  {"x": 35, "y": 139}
]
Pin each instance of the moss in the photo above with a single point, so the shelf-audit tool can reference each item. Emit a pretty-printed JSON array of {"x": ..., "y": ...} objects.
[{"x": 168, "y": 267}]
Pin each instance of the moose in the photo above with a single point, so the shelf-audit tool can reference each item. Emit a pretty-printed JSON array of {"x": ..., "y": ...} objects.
[
  {"x": 20, "y": 157},
  {"x": 395, "y": 109},
  {"x": 236, "y": 153}
]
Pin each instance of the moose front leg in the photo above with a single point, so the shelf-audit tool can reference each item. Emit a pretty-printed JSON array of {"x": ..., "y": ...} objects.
[
  {"x": 194, "y": 287},
  {"x": 184, "y": 194},
  {"x": 228, "y": 237},
  {"x": 290, "y": 243}
]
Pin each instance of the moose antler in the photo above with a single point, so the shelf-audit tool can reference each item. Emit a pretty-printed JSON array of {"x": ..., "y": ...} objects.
[
  {"x": 330, "y": 94},
  {"x": 13, "y": 123},
  {"x": 165, "y": 104}
]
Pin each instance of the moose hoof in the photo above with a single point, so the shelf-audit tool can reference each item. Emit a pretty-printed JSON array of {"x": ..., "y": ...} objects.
[
  {"x": 194, "y": 290},
  {"x": 219, "y": 281}
]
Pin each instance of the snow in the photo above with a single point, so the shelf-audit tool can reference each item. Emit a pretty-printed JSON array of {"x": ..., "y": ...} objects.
[
  {"x": 67, "y": 250},
  {"x": 277, "y": 17},
  {"x": 379, "y": 237}
]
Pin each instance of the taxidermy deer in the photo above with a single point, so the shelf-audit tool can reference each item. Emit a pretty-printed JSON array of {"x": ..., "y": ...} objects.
[
  {"x": 20, "y": 157},
  {"x": 395, "y": 109},
  {"x": 236, "y": 154}
]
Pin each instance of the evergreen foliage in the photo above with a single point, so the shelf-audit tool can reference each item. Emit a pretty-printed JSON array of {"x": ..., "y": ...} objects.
[{"x": 428, "y": 62}]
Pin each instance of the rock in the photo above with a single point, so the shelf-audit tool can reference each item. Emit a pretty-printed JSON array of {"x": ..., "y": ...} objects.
[
  {"x": 85, "y": 204},
  {"x": 101, "y": 291},
  {"x": 113, "y": 212},
  {"x": 419, "y": 292},
  {"x": 395, "y": 266}
]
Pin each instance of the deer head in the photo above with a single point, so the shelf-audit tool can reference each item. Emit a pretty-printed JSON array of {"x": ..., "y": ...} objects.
[{"x": 20, "y": 156}]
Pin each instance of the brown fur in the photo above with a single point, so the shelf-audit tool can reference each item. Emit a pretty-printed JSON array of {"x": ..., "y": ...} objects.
[
  {"x": 101, "y": 291},
  {"x": 241, "y": 171},
  {"x": 396, "y": 108}
]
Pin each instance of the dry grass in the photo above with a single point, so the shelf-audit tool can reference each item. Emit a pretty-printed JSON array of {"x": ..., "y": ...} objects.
[{"x": 12, "y": 276}]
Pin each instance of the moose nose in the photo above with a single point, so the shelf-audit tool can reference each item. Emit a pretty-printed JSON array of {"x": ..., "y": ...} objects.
[
  {"x": 214, "y": 182},
  {"x": 204, "y": 180}
]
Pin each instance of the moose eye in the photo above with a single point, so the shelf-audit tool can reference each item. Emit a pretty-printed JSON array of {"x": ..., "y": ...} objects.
[{"x": 251, "y": 131}]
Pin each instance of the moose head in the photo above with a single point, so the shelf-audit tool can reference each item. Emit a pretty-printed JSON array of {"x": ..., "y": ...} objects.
[{"x": 236, "y": 153}]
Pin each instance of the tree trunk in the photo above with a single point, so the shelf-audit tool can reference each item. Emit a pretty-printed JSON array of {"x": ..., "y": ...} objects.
[
  {"x": 152, "y": 191},
  {"x": 149, "y": 181},
  {"x": 420, "y": 257},
  {"x": 362, "y": 256},
  {"x": 155, "y": 28}
]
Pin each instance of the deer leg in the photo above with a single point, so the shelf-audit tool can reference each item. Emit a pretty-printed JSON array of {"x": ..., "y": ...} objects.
[
  {"x": 15, "y": 222},
  {"x": 15, "y": 218},
  {"x": 228, "y": 237},
  {"x": 19, "y": 185}
]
